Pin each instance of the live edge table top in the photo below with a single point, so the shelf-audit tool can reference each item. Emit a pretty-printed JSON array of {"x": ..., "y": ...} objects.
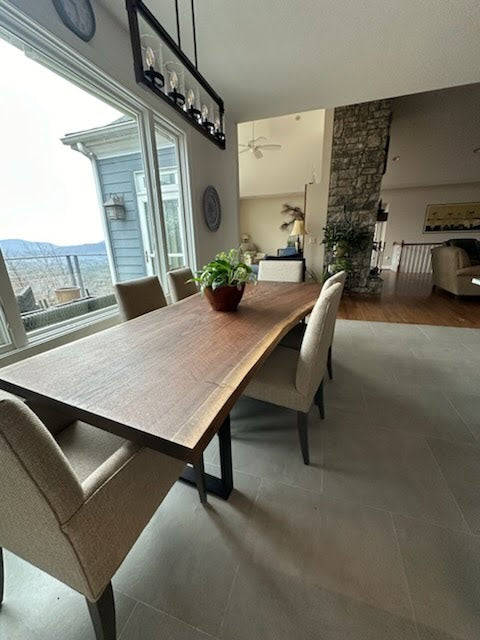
[{"x": 169, "y": 378}]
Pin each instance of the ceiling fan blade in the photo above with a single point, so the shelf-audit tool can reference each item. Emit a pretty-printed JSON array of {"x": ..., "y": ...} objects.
[
  {"x": 243, "y": 145},
  {"x": 257, "y": 153},
  {"x": 255, "y": 140},
  {"x": 243, "y": 151},
  {"x": 270, "y": 147}
]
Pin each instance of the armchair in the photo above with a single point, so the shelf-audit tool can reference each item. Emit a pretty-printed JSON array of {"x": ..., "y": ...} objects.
[{"x": 73, "y": 502}]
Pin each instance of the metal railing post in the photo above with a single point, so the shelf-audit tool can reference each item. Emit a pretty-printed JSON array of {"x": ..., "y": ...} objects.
[
  {"x": 71, "y": 271},
  {"x": 79, "y": 276}
]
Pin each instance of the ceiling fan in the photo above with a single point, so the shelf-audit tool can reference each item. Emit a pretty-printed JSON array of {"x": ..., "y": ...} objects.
[{"x": 255, "y": 145}]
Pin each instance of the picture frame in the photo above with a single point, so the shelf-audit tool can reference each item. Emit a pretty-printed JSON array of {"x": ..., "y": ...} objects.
[{"x": 457, "y": 217}]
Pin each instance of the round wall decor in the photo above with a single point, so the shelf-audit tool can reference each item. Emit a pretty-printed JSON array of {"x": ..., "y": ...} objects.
[
  {"x": 78, "y": 16},
  {"x": 212, "y": 210}
]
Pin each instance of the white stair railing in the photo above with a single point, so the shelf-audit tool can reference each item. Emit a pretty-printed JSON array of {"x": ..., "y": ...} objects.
[{"x": 414, "y": 257}]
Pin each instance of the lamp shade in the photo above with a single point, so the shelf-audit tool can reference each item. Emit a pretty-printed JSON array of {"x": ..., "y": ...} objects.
[{"x": 298, "y": 228}]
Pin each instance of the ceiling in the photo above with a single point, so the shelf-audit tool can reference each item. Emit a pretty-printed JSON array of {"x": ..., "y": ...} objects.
[{"x": 272, "y": 57}]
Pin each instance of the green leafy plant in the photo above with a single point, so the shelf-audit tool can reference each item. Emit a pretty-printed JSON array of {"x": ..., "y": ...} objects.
[
  {"x": 227, "y": 270},
  {"x": 354, "y": 238}
]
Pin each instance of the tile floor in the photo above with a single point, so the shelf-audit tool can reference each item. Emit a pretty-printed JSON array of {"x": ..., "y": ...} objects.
[{"x": 379, "y": 539}]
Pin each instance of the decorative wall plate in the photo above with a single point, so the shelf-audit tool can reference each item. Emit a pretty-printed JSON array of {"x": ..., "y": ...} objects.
[
  {"x": 78, "y": 16},
  {"x": 212, "y": 210}
]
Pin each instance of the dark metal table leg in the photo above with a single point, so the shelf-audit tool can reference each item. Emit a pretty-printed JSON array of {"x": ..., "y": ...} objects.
[{"x": 222, "y": 486}]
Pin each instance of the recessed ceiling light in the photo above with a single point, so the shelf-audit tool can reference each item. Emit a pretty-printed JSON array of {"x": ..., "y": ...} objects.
[
  {"x": 395, "y": 158},
  {"x": 298, "y": 117},
  {"x": 477, "y": 150}
]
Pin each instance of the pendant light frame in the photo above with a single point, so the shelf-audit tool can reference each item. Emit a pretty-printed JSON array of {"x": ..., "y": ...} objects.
[{"x": 136, "y": 8}]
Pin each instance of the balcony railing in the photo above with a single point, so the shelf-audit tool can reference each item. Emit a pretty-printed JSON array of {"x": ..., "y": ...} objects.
[{"x": 53, "y": 288}]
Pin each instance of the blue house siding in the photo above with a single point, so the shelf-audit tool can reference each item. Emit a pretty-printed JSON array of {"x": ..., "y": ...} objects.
[{"x": 116, "y": 175}]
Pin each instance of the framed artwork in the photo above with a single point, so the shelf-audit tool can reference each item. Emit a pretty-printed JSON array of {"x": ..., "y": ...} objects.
[{"x": 445, "y": 218}]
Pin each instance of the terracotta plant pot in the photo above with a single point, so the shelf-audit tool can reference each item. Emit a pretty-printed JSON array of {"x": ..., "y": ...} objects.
[{"x": 224, "y": 298}]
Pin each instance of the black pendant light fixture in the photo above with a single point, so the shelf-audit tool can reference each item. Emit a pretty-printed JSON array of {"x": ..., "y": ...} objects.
[{"x": 161, "y": 65}]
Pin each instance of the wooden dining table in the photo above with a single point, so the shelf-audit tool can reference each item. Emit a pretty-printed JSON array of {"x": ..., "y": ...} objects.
[{"x": 167, "y": 379}]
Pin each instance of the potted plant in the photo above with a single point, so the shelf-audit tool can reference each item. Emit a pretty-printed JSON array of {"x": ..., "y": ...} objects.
[
  {"x": 223, "y": 280},
  {"x": 344, "y": 240}
]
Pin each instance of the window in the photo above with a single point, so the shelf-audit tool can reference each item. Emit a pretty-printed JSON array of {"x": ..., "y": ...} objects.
[
  {"x": 172, "y": 205},
  {"x": 65, "y": 154}
]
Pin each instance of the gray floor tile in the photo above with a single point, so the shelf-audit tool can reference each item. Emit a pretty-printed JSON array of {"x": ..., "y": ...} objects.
[
  {"x": 148, "y": 624},
  {"x": 185, "y": 560},
  {"x": 443, "y": 574},
  {"x": 468, "y": 406},
  {"x": 391, "y": 470},
  {"x": 460, "y": 464},
  {"x": 268, "y": 605},
  {"x": 341, "y": 547},
  {"x": 265, "y": 444},
  {"x": 448, "y": 336},
  {"x": 421, "y": 411},
  {"x": 38, "y": 607}
]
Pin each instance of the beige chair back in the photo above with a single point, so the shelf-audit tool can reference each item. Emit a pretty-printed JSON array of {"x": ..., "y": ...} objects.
[
  {"x": 312, "y": 360},
  {"x": 280, "y": 270},
  {"x": 39, "y": 492},
  {"x": 340, "y": 277},
  {"x": 137, "y": 297},
  {"x": 178, "y": 284}
]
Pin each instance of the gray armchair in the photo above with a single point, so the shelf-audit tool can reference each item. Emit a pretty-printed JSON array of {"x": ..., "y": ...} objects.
[
  {"x": 74, "y": 501},
  {"x": 453, "y": 271}
]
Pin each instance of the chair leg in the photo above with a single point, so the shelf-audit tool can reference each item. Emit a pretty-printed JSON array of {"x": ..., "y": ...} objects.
[
  {"x": 329, "y": 363},
  {"x": 102, "y": 614},
  {"x": 302, "y": 423},
  {"x": 2, "y": 576},
  {"x": 199, "y": 470},
  {"x": 319, "y": 401}
]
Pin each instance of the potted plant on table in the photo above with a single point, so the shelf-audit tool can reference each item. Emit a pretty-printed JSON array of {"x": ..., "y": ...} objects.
[{"x": 223, "y": 280}]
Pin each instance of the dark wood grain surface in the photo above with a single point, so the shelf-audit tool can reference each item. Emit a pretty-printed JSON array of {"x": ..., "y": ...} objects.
[{"x": 169, "y": 378}]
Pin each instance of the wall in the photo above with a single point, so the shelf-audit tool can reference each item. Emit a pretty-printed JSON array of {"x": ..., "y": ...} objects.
[
  {"x": 110, "y": 50},
  {"x": 287, "y": 170},
  {"x": 360, "y": 136},
  {"x": 261, "y": 219},
  {"x": 407, "y": 213},
  {"x": 433, "y": 136}
]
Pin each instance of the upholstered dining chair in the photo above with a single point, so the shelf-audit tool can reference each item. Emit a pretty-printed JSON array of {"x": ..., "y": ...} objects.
[
  {"x": 294, "y": 338},
  {"x": 179, "y": 285},
  {"x": 74, "y": 500},
  {"x": 280, "y": 270},
  {"x": 137, "y": 297},
  {"x": 294, "y": 379}
]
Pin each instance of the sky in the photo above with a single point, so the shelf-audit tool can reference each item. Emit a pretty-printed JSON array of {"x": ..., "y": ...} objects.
[{"x": 47, "y": 190}]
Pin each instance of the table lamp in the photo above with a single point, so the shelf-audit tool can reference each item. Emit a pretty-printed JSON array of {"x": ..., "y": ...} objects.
[{"x": 298, "y": 230}]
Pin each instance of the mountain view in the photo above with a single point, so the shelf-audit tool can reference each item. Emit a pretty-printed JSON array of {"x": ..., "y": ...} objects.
[
  {"x": 38, "y": 270},
  {"x": 21, "y": 248}
]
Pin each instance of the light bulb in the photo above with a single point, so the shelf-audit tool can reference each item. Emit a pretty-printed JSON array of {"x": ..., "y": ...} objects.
[
  {"x": 150, "y": 57},
  {"x": 205, "y": 112},
  {"x": 190, "y": 98},
  {"x": 217, "y": 123},
  {"x": 173, "y": 80}
]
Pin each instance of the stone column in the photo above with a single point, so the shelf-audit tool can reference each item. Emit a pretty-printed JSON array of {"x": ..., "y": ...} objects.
[{"x": 359, "y": 149}]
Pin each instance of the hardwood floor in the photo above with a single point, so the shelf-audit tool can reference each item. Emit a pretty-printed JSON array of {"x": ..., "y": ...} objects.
[{"x": 408, "y": 298}]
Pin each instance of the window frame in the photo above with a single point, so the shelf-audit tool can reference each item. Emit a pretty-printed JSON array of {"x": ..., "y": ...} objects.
[{"x": 48, "y": 50}]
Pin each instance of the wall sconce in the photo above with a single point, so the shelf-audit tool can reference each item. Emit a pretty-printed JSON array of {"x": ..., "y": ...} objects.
[{"x": 115, "y": 207}]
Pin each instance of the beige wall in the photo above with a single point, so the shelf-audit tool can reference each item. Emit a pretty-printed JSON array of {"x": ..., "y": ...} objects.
[
  {"x": 407, "y": 213},
  {"x": 261, "y": 219},
  {"x": 289, "y": 169}
]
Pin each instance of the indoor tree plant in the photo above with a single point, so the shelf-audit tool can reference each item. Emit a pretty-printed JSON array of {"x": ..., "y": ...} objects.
[
  {"x": 223, "y": 280},
  {"x": 343, "y": 240}
]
